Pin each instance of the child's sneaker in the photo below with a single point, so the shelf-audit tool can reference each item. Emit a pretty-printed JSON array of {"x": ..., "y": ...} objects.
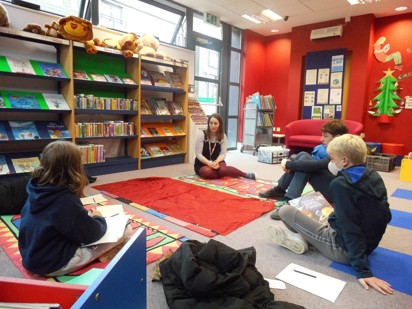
[
  {"x": 285, "y": 238},
  {"x": 251, "y": 176}
]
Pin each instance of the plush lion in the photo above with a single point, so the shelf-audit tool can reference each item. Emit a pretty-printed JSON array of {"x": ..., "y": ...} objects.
[
  {"x": 75, "y": 28},
  {"x": 4, "y": 17},
  {"x": 129, "y": 44}
]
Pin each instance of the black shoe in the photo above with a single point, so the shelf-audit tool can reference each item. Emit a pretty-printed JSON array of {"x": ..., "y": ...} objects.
[
  {"x": 91, "y": 178},
  {"x": 274, "y": 193}
]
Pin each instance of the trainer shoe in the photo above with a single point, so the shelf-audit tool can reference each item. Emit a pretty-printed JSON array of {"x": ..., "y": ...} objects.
[
  {"x": 285, "y": 238},
  {"x": 273, "y": 193},
  {"x": 275, "y": 214},
  {"x": 251, "y": 176}
]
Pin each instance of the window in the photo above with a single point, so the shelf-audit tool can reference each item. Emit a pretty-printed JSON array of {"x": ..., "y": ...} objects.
[
  {"x": 59, "y": 7},
  {"x": 200, "y": 26},
  {"x": 165, "y": 23}
]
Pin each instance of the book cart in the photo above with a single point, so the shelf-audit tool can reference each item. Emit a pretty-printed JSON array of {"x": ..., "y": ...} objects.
[{"x": 258, "y": 123}]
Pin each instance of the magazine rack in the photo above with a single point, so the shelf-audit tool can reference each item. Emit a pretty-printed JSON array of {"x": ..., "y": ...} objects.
[{"x": 122, "y": 284}]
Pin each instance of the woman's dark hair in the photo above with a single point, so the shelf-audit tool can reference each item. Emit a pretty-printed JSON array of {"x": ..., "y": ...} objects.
[
  {"x": 220, "y": 131},
  {"x": 61, "y": 165}
]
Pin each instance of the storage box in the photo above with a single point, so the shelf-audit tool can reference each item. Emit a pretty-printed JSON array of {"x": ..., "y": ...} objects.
[
  {"x": 272, "y": 155},
  {"x": 381, "y": 162},
  {"x": 406, "y": 170}
]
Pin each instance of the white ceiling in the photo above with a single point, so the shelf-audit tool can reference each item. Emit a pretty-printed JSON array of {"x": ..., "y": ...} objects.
[{"x": 300, "y": 12}]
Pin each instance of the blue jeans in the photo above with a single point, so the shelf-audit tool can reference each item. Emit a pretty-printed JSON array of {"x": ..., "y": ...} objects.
[{"x": 294, "y": 182}]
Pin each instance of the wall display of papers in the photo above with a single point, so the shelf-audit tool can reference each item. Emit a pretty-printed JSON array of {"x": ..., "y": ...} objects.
[{"x": 324, "y": 82}]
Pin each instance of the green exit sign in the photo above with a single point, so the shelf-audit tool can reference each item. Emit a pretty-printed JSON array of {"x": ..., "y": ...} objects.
[{"x": 211, "y": 19}]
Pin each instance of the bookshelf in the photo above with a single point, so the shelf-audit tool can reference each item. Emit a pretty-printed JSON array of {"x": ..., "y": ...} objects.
[
  {"x": 102, "y": 93},
  {"x": 176, "y": 125},
  {"x": 259, "y": 112}
]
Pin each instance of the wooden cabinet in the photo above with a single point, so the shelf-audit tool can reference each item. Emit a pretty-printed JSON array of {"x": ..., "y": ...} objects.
[{"x": 103, "y": 109}]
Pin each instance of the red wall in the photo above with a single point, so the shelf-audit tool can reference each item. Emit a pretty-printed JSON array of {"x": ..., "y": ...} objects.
[{"x": 280, "y": 70}]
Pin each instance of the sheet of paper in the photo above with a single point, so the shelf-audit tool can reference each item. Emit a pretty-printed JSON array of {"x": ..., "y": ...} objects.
[
  {"x": 316, "y": 283},
  {"x": 93, "y": 199},
  {"x": 110, "y": 210},
  {"x": 276, "y": 284},
  {"x": 115, "y": 229}
]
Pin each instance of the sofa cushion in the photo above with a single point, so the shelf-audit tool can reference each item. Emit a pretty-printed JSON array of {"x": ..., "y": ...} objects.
[{"x": 305, "y": 140}]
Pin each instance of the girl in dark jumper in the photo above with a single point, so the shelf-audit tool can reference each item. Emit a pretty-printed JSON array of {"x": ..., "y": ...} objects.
[{"x": 55, "y": 228}]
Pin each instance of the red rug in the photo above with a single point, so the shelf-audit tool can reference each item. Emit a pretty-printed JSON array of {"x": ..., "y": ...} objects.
[{"x": 217, "y": 211}]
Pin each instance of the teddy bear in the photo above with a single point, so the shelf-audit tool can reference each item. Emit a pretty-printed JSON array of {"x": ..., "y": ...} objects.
[
  {"x": 34, "y": 28},
  {"x": 150, "y": 47},
  {"x": 4, "y": 17},
  {"x": 51, "y": 30},
  {"x": 128, "y": 43}
]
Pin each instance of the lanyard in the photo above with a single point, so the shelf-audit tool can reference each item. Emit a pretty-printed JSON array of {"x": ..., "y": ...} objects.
[{"x": 211, "y": 150}]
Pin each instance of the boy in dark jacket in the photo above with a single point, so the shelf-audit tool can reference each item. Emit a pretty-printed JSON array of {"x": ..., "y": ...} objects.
[{"x": 361, "y": 214}]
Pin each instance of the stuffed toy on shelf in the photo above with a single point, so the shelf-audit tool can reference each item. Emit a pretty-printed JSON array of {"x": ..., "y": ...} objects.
[{"x": 4, "y": 17}]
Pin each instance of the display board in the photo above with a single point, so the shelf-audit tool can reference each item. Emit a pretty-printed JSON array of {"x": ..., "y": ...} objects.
[{"x": 324, "y": 84}]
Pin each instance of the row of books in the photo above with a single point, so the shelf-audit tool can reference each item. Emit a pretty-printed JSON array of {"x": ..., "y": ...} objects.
[
  {"x": 32, "y": 100},
  {"x": 159, "y": 150},
  {"x": 89, "y": 101},
  {"x": 93, "y": 153},
  {"x": 166, "y": 79},
  {"x": 111, "y": 78},
  {"x": 265, "y": 119},
  {"x": 30, "y": 130},
  {"x": 33, "y": 67},
  {"x": 160, "y": 129},
  {"x": 104, "y": 129},
  {"x": 160, "y": 106},
  {"x": 263, "y": 101},
  {"x": 197, "y": 114}
]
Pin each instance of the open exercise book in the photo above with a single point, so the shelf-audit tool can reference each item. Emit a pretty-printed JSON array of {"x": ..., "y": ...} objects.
[
  {"x": 314, "y": 205},
  {"x": 116, "y": 220}
]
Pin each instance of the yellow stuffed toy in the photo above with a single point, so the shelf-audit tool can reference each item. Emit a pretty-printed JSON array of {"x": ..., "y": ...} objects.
[
  {"x": 75, "y": 28},
  {"x": 129, "y": 44}
]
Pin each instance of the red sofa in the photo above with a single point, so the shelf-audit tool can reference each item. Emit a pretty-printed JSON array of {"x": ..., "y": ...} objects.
[{"x": 306, "y": 132}]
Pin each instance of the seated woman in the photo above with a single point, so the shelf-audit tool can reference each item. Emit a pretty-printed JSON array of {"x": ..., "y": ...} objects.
[{"x": 211, "y": 148}]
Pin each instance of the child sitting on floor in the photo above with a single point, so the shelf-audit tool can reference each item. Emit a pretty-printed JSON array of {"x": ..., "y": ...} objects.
[
  {"x": 361, "y": 214},
  {"x": 55, "y": 227}
]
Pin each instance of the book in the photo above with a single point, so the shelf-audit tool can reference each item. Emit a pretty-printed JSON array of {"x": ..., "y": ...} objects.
[
  {"x": 56, "y": 101},
  {"x": 98, "y": 77},
  {"x": 52, "y": 69},
  {"x": 3, "y": 132},
  {"x": 161, "y": 107},
  {"x": 2, "y": 103},
  {"x": 165, "y": 149},
  {"x": 153, "y": 131},
  {"x": 314, "y": 205},
  {"x": 25, "y": 165},
  {"x": 144, "y": 107},
  {"x": 115, "y": 229},
  {"x": 174, "y": 79},
  {"x": 78, "y": 74},
  {"x": 24, "y": 130},
  {"x": 22, "y": 101},
  {"x": 113, "y": 78},
  {"x": 144, "y": 77},
  {"x": 53, "y": 129},
  {"x": 177, "y": 108},
  {"x": 144, "y": 153},
  {"x": 167, "y": 131},
  {"x": 4, "y": 168},
  {"x": 143, "y": 132},
  {"x": 23, "y": 66},
  {"x": 178, "y": 130},
  {"x": 154, "y": 150},
  {"x": 93, "y": 199},
  {"x": 175, "y": 148},
  {"x": 129, "y": 81},
  {"x": 12, "y": 305},
  {"x": 158, "y": 79}
]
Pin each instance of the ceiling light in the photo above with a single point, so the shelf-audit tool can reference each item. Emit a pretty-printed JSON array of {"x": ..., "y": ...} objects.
[
  {"x": 353, "y": 2},
  {"x": 271, "y": 15},
  {"x": 251, "y": 18},
  {"x": 401, "y": 8},
  {"x": 274, "y": 30}
]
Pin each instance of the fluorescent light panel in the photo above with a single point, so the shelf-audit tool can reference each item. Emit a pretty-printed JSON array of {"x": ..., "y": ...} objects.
[
  {"x": 271, "y": 15},
  {"x": 353, "y": 2},
  {"x": 251, "y": 19}
]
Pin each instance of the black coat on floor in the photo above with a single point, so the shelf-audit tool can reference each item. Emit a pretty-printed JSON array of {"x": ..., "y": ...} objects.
[{"x": 213, "y": 275}]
